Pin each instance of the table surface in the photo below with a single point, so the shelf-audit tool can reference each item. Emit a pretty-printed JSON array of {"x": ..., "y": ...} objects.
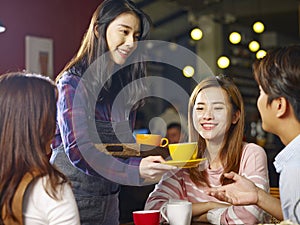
[
  {"x": 193, "y": 223},
  {"x": 132, "y": 149}
]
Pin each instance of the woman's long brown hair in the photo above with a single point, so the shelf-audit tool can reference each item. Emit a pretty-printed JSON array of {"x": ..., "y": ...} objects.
[
  {"x": 27, "y": 126},
  {"x": 231, "y": 150}
]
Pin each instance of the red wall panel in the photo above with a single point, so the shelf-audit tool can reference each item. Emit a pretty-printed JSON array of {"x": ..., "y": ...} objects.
[{"x": 64, "y": 21}]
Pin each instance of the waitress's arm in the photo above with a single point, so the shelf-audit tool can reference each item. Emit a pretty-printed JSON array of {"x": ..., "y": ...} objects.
[{"x": 72, "y": 119}]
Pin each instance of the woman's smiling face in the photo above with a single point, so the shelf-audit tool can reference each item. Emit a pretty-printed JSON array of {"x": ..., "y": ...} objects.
[
  {"x": 122, "y": 35},
  {"x": 212, "y": 113}
]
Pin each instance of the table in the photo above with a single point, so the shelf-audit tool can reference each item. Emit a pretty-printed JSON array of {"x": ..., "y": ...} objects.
[
  {"x": 136, "y": 150},
  {"x": 193, "y": 223}
]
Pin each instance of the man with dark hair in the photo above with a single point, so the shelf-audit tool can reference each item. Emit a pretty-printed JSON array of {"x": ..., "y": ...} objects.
[
  {"x": 278, "y": 77},
  {"x": 174, "y": 133}
]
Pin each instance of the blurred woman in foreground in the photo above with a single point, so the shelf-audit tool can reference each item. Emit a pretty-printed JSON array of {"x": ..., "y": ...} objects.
[{"x": 27, "y": 126}]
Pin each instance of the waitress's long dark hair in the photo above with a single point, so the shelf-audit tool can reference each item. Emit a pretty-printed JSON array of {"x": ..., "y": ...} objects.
[{"x": 94, "y": 47}]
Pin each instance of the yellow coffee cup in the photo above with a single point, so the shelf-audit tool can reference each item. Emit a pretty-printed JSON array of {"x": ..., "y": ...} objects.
[
  {"x": 183, "y": 151},
  {"x": 151, "y": 139}
]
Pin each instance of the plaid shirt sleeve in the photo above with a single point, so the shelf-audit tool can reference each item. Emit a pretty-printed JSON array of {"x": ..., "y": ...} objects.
[{"x": 118, "y": 170}]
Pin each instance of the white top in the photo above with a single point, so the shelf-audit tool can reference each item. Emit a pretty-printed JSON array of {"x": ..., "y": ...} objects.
[
  {"x": 287, "y": 163},
  {"x": 39, "y": 208}
]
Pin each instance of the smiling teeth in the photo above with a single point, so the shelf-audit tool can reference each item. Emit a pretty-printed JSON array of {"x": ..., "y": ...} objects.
[
  {"x": 123, "y": 52},
  {"x": 208, "y": 125}
]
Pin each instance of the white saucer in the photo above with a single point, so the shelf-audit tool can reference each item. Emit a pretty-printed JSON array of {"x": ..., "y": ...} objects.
[{"x": 185, "y": 164}]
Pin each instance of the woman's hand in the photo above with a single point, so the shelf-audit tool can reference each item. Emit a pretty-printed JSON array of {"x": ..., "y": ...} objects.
[
  {"x": 152, "y": 169},
  {"x": 241, "y": 192}
]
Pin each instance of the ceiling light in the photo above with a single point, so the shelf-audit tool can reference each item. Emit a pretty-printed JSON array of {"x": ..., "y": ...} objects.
[
  {"x": 188, "y": 71},
  {"x": 258, "y": 27},
  {"x": 260, "y": 54},
  {"x": 235, "y": 37},
  {"x": 2, "y": 27},
  {"x": 223, "y": 62},
  {"x": 254, "y": 46},
  {"x": 196, "y": 34}
]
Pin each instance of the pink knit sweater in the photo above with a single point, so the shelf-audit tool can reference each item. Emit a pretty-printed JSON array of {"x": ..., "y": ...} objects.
[{"x": 179, "y": 186}]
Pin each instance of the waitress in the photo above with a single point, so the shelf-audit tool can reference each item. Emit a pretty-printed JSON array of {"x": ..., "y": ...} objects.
[{"x": 91, "y": 111}]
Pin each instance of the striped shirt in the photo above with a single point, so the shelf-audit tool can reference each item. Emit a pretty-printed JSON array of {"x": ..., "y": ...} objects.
[{"x": 253, "y": 165}]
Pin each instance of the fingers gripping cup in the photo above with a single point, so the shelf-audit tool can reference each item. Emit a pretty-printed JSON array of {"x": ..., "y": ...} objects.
[
  {"x": 151, "y": 139},
  {"x": 183, "y": 151}
]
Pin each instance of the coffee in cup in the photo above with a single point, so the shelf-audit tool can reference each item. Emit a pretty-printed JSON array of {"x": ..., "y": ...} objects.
[
  {"x": 183, "y": 151},
  {"x": 151, "y": 139}
]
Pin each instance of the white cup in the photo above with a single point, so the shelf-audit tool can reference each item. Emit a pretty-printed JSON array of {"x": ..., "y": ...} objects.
[{"x": 177, "y": 212}]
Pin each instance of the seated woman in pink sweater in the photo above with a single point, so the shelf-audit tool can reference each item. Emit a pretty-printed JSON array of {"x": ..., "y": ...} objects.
[{"x": 216, "y": 122}]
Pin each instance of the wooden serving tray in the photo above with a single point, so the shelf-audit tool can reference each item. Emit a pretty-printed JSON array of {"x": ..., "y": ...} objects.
[{"x": 126, "y": 150}]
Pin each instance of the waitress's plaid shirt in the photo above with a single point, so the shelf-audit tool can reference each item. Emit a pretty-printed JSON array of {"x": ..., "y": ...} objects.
[{"x": 65, "y": 132}]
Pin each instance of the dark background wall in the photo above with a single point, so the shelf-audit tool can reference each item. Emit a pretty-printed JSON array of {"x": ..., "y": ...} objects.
[{"x": 64, "y": 21}]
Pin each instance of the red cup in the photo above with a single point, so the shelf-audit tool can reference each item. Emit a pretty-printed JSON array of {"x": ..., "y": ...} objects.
[{"x": 146, "y": 217}]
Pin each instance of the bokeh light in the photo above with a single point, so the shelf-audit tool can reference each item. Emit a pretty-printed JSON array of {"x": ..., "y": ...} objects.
[
  {"x": 188, "y": 71},
  {"x": 235, "y": 37},
  {"x": 254, "y": 46},
  {"x": 258, "y": 27},
  {"x": 223, "y": 62},
  {"x": 196, "y": 34},
  {"x": 260, "y": 54}
]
